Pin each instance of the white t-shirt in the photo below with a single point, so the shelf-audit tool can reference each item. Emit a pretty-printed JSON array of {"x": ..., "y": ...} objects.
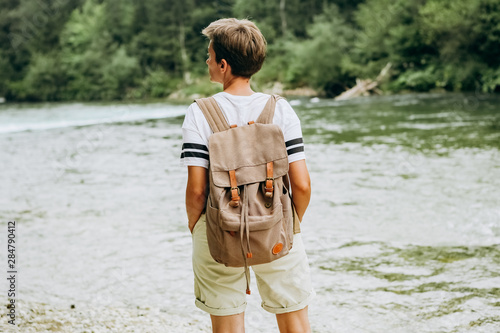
[{"x": 238, "y": 110}]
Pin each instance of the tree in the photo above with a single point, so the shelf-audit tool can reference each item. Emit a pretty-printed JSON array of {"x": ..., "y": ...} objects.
[
  {"x": 97, "y": 65},
  {"x": 318, "y": 61}
]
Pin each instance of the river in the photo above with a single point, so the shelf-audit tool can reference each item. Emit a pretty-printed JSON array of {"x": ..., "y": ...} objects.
[{"x": 402, "y": 233}]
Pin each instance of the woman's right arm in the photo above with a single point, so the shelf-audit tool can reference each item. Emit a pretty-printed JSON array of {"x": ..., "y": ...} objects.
[
  {"x": 196, "y": 194},
  {"x": 301, "y": 186}
]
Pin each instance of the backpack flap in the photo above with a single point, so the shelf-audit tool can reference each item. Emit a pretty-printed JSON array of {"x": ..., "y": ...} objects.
[{"x": 247, "y": 150}]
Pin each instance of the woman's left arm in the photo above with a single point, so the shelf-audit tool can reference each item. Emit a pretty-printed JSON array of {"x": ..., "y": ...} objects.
[{"x": 196, "y": 193}]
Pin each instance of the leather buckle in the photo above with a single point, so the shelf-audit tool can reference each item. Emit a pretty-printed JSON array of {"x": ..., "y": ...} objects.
[{"x": 269, "y": 187}]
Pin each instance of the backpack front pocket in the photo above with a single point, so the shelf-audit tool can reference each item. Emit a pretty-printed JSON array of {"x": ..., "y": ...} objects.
[{"x": 267, "y": 238}]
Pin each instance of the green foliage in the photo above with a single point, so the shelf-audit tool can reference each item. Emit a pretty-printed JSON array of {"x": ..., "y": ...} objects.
[
  {"x": 36, "y": 25},
  {"x": 97, "y": 66},
  {"x": 6, "y": 71},
  {"x": 276, "y": 64},
  {"x": 318, "y": 61},
  {"x": 390, "y": 32},
  {"x": 431, "y": 43},
  {"x": 201, "y": 87},
  {"x": 416, "y": 80},
  {"x": 156, "y": 84},
  {"x": 491, "y": 80},
  {"x": 84, "y": 26},
  {"x": 466, "y": 35},
  {"x": 114, "y": 49},
  {"x": 121, "y": 72},
  {"x": 288, "y": 18},
  {"x": 449, "y": 25},
  {"x": 119, "y": 16},
  {"x": 45, "y": 79}
]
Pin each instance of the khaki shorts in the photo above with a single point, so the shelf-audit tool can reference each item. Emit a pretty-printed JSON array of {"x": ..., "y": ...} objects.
[{"x": 284, "y": 284}]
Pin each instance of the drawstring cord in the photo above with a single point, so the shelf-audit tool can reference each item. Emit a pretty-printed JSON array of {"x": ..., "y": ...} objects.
[
  {"x": 244, "y": 227},
  {"x": 247, "y": 227}
]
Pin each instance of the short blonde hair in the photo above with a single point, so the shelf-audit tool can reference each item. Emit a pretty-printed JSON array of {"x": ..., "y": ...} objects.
[{"x": 240, "y": 43}]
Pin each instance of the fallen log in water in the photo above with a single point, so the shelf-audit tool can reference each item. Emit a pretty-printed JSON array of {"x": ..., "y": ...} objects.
[{"x": 365, "y": 87}]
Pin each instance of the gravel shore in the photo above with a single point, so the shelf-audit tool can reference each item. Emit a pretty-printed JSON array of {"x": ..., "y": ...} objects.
[{"x": 38, "y": 317}]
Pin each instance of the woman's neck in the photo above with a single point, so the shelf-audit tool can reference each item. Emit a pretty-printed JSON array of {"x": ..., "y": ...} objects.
[{"x": 238, "y": 85}]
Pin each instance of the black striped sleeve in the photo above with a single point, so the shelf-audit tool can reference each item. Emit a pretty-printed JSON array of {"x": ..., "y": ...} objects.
[
  {"x": 194, "y": 154},
  {"x": 294, "y": 142},
  {"x": 294, "y": 146},
  {"x": 194, "y": 146},
  {"x": 295, "y": 150},
  {"x": 194, "y": 150}
]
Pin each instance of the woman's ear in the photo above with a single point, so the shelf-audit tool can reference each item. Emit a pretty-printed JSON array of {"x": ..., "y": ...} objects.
[{"x": 223, "y": 65}]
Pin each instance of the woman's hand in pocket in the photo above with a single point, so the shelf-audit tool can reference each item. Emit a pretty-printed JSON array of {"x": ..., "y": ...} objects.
[{"x": 191, "y": 226}]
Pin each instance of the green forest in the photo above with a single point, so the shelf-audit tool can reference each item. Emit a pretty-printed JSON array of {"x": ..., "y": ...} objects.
[{"x": 87, "y": 50}]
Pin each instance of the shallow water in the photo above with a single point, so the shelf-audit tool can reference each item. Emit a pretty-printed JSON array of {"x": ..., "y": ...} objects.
[{"x": 403, "y": 231}]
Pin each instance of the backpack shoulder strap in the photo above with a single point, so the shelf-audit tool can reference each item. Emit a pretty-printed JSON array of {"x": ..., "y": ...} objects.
[
  {"x": 213, "y": 114},
  {"x": 267, "y": 115}
]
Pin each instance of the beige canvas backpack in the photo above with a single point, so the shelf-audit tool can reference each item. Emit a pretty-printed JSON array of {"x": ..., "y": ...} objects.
[{"x": 249, "y": 210}]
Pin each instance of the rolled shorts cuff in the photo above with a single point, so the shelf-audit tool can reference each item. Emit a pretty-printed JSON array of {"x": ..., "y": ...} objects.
[
  {"x": 292, "y": 308},
  {"x": 220, "y": 311}
]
